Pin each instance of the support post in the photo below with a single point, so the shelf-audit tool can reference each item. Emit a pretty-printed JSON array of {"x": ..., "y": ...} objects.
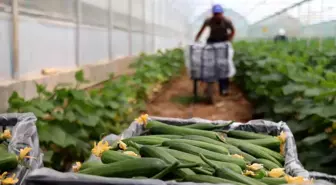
[
  {"x": 130, "y": 28},
  {"x": 78, "y": 28},
  {"x": 153, "y": 27},
  {"x": 144, "y": 25},
  {"x": 110, "y": 30},
  {"x": 15, "y": 39}
]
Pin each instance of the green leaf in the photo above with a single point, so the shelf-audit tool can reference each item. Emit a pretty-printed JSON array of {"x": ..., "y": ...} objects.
[
  {"x": 44, "y": 105},
  {"x": 90, "y": 120},
  {"x": 80, "y": 77},
  {"x": 315, "y": 139},
  {"x": 37, "y": 112},
  {"x": 293, "y": 88},
  {"x": 70, "y": 116},
  {"x": 55, "y": 134},
  {"x": 79, "y": 94},
  {"x": 113, "y": 104}
]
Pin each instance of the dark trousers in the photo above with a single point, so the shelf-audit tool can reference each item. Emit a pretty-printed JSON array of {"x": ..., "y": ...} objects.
[{"x": 223, "y": 83}]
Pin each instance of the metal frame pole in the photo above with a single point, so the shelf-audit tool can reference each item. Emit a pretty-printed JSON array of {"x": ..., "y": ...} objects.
[
  {"x": 110, "y": 30},
  {"x": 321, "y": 39},
  {"x": 130, "y": 28},
  {"x": 153, "y": 27},
  {"x": 308, "y": 22},
  {"x": 16, "y": 53},
  {"x": 78, "y": 28},
  {"x": 144, "y": 25}
]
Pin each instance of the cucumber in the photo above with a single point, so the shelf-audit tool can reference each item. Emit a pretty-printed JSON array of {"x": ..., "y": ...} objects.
[
  {"x": 271, "y": 143},
  {"x": 257, "y": 153},
  {"x": 90, "y": 164},
  {"x": 112, "y": 156},
  {"x": 209, "y": 154},
  {"x": 176, "y": 130},
  {"x": 232, "y": 149},
  {"x": 169, "y": 136},
  {"x": 209, "y": 179},
  {"x": 150, "y": 151},
  {"x": 186, "y": 157},
  {"x": 202, "y": 171},
  {"x": 206, "y": 126},
  {"x": 247, "y": 135},
  {"x": 8, "y": 162},
  {"x": 166, "y": 171},
  {"x": 145, "y": 140},
  {"x": 201, "y": 144},
  {"x": 273, "y": 181},
  {"x": 227, "y": 173},
  {"x": 132, "y": 149},
  {"x": 269, "y": 165},
  {"x": 146, "y": 167}
]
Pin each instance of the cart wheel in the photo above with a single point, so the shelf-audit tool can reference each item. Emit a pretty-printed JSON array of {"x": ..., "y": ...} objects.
[{"x": 209, "y": 93}]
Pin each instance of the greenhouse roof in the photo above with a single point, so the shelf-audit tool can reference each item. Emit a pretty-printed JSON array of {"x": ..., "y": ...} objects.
[{"x": 309, "y": 12}]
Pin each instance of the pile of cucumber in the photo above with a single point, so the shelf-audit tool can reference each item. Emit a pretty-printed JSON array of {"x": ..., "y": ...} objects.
[{"x": 194, "y": 153}]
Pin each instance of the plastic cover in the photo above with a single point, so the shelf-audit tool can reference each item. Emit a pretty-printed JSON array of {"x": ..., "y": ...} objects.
[
  {"x": 24, "y": 134},
  {"x": 292, "y": 164}
]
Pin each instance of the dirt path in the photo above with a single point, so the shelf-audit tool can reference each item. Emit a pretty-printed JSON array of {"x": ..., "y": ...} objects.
[{"x": 168, "y": 104}]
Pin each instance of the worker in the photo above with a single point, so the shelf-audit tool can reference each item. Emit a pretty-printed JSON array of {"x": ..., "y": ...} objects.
[
  {"x": 221, "y": 30},
  {"x": 281, "y": 36}
]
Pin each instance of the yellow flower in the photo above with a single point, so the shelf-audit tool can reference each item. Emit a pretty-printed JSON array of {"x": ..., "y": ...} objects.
[
  {"x": 6, "y": 135},
  {"x": 276, "y": 172},
  {"x": 297, "y": 180},
  {"x": 282, "y": 137},
  {"x": 255, "y": 166},
  {"x": 122, "y": 145},
  {"x": 100, "y": 148},
  {"x": 3, "y": 175},
  {"x": 131, "y": 153},
  {"x": 334, "y": 125},
  {"x": 328, "y": 130},
  {"x": 249, "y": 173},
  {"x": 282, "y": 148},
  {"x": 77, "y": 167},
  {"x": 237, "y": 156},
  {"x": 142, "y": 120},
  {"x": 24, "y": 152},
  {"x": 9, "y": 180}
]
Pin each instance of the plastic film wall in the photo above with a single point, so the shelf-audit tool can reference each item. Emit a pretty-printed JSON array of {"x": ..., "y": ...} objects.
[{"x": 66, "y": 34}]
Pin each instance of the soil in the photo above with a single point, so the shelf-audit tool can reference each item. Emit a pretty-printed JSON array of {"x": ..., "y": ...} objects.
[{"x": 234, "y": 106}]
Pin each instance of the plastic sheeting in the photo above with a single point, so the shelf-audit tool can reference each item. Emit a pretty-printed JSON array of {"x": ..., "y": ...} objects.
[
  {"x": 292, "y": 164},
  {"x": 210, "y": 62},
  {"x": 24, "y": 134}
]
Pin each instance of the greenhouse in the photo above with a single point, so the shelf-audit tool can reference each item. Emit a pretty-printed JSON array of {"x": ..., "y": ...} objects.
[{"x": 171, "y": 92}]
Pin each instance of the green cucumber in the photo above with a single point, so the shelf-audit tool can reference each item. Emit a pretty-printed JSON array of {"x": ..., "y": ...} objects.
[
  {"x": 90, "y": 164},
  {"x": 232, "y": 149},
  {"x": 187, "y": 157},
  {"x": 167, "y": 170},
  {"x": 176, "y": 130},
  {"x": 272, "y": 143},
  {"x": 201, "y": 144},
  {"x": 146, "y": 167},
  {"x": 240, "y": 134},
  {"x": 169, "y": 136},
  {"x": 273, "y": 181},
  {"x": 150, "y": 151},
  {"x": 112, "y": 156},
  {"x": 211, "y": 155},
  {"x": 269, "y": 165},
  {"x": 206, "y": 126},
  {"x": 145, "y": 140},
  {"x": 227, "y": 173}
]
